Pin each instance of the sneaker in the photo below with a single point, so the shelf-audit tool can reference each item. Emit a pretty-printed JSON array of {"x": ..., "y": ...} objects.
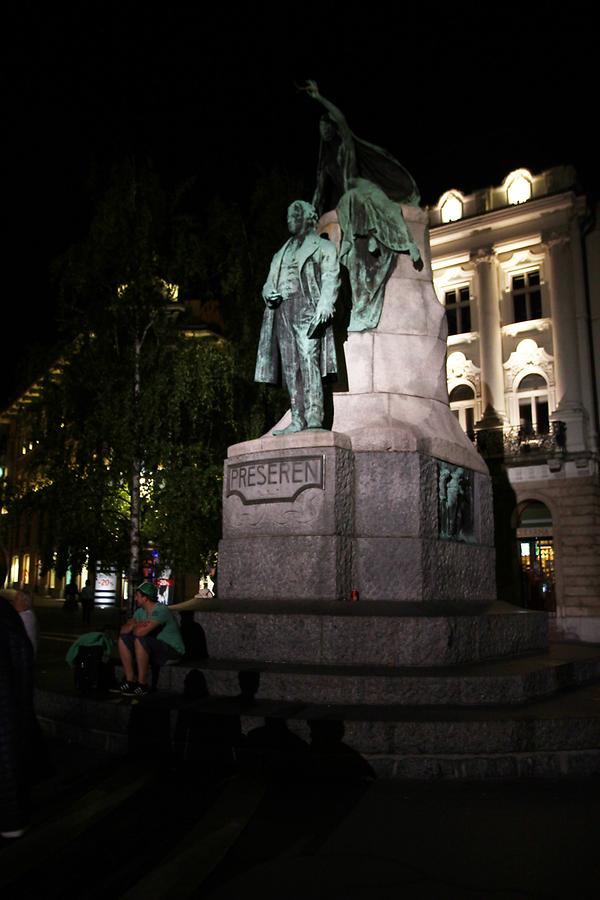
[
  {"x": 126, "y": 688},
  {"x": 141, "y": 690}
]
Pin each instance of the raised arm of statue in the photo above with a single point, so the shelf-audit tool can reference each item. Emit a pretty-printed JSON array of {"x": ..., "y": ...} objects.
[
  {"x": 335, "y": 114},
  {"x": 343, "y": 157},
  {"x": 334, "y": 125},
  {"x": 367, "y": 187}
]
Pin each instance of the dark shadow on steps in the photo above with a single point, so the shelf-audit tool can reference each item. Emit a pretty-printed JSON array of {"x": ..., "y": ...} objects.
[
  {"x": 331, "y": 759},
  {"x": 203, "y": 739},
  {"x": 273, "y": 751}
]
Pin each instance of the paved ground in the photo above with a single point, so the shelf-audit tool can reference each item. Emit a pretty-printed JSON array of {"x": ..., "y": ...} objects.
[{"x": 150, "y": 828}]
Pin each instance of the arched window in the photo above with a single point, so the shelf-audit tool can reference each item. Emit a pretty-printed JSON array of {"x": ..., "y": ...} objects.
[
  {"x": 451, "y": 206},
  {"x": 533, "y": 405},
  {"x": 518, "y": 186},
  {"x": 462, "y": 404}
]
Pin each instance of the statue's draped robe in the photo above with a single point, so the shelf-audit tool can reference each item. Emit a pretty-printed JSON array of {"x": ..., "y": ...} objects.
[
  {"x": 371, "y": 221},
  {"x": 373, "y": 233}
]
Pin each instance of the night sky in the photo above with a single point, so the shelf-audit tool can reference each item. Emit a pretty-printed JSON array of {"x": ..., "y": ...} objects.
[{"x": 460, "y": 102}]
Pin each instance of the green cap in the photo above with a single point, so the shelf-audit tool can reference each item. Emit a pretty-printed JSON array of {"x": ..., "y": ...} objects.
[{"x": 150, "y": 590}]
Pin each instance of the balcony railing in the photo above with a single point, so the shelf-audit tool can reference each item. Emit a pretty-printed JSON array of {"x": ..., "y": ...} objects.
[{"x": 522, "y": 443}]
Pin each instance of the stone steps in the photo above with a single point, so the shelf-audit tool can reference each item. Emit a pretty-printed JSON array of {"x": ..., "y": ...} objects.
[
  {"x": 546, "y": 734},
  {"x": 491, "y": 683},
  {"x": 373, "y": 633},
  {"x": 554, "y": 738},
  {"x": 99, "y": 722}
]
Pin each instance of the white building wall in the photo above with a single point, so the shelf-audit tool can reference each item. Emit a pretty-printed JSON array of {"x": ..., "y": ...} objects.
[{"x": 492, "y": 243}]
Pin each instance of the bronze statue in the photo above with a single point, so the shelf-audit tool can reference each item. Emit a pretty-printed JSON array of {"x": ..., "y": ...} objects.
[
  {"x": 300, "y": 294},
  {"x": 365, "y": 184}
]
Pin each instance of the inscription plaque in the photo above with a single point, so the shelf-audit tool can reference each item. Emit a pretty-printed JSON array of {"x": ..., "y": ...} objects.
[{"x": 276, "y": 480}]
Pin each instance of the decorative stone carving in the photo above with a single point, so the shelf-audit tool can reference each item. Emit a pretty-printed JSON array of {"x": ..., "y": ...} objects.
[
  {"x": 455, "y": 503},
  {"x": 528, "y": 355},
  {"x": 460, "y": 369},
  {"x": 556, "y": 239},
  {"x": 483, "y": 255}
]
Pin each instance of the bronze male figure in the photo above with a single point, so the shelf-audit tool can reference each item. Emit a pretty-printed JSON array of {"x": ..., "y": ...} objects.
[{"x": 300, "y": 294}]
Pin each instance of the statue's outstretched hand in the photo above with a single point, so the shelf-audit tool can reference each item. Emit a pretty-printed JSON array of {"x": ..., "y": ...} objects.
[{"x": 311, "y": 88}]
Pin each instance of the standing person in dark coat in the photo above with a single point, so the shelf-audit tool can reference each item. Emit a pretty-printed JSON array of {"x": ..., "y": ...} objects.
[
  {"x": 17, "y": 722},
  {"x": 71, "y": 597},
  {"x": 86, "y": 598}
]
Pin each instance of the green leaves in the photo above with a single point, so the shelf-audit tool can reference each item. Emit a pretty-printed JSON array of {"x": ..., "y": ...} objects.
[{"x": 140, "y": 394}]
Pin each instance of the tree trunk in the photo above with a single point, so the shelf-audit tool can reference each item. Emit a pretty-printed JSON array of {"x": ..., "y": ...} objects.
[{"x": 134, "y": 522}]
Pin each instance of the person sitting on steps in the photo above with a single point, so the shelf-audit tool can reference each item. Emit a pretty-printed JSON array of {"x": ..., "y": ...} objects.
[{"x": 150, "y": 638}]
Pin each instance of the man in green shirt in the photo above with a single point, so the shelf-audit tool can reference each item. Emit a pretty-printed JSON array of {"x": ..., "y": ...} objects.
[{"x": 150, "y": 638}]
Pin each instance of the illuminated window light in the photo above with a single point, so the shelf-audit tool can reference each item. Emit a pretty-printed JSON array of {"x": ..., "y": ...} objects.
[
  {"x": 518, "y": 186},
  {"x": 451, "y": 206}
]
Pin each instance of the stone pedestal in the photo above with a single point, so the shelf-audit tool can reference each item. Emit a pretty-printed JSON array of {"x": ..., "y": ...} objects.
[
  {"x": 308, "y": 518},
  {"x": 396, "y": 396},
  {"x": 287, "y": 518}
]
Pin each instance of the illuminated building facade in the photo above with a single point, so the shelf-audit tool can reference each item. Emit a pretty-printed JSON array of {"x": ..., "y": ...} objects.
[{"x": 518, "y": 270}]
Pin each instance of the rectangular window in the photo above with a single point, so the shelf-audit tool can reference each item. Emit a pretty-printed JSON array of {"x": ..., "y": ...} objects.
[
  {"x": 469, "y": 419},
  {"x": 527, "y": 296},
  {"x": 526, "y": 416},
  {"x": 543, "y": 419},
  {"x": 533, "y": 416},
  {"x": 458, "y": 310}
]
